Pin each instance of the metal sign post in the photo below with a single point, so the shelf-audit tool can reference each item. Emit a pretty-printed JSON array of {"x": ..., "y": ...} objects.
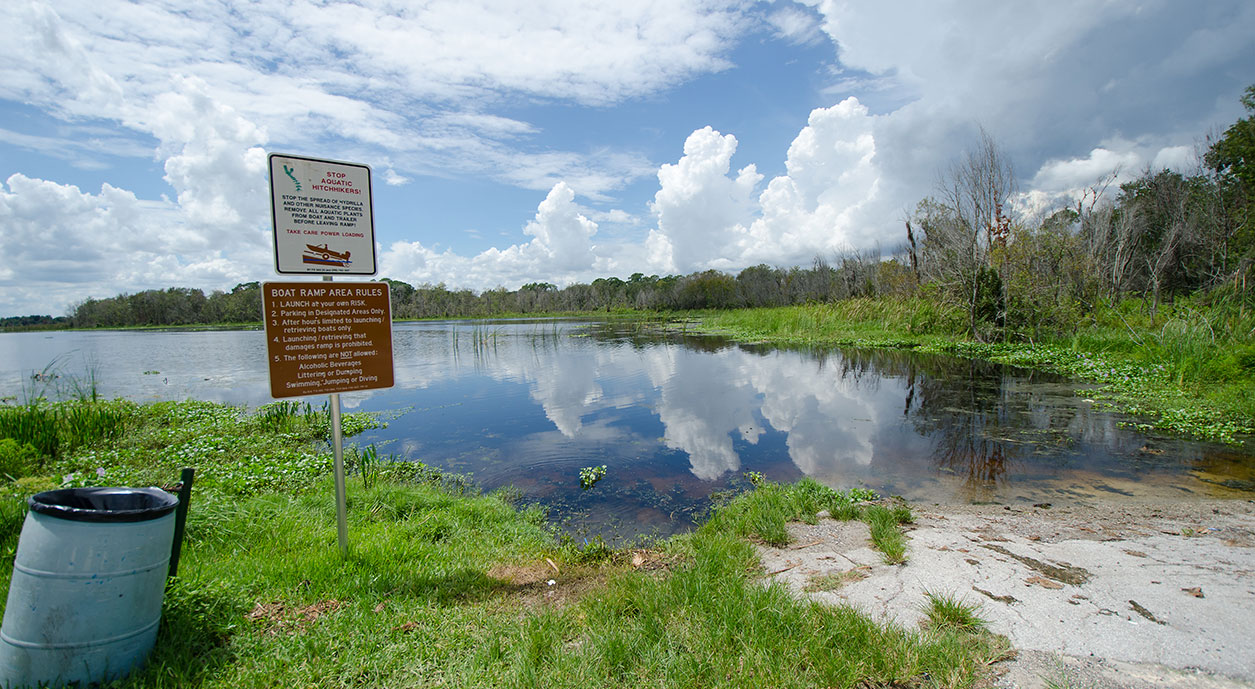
[
  {"x": 342, "y": 509},
  {"x": 337, "y": 448}
]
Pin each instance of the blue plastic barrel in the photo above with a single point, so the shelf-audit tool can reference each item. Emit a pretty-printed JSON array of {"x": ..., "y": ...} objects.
[{"x": 85, "y": 597}]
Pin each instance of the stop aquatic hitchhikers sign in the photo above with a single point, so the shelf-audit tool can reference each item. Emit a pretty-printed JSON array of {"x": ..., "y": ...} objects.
[{"x": 322, "y": 216}]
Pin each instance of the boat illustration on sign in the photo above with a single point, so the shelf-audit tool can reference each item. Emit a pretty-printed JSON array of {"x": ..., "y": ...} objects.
[{"x": 322, "y": 255}]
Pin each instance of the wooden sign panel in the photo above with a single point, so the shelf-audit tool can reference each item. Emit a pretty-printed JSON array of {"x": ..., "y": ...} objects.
[{"x": 327, "y": 337}]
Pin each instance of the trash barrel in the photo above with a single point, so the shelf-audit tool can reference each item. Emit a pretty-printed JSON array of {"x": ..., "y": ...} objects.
[{"x": 85, "y": 598}]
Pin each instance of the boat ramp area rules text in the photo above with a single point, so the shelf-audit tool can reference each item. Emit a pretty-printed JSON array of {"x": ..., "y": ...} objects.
[{"x": 327, "y": 337}]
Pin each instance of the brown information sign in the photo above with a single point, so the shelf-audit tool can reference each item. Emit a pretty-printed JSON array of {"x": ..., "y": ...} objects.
[{"x": 327, "y": 337}]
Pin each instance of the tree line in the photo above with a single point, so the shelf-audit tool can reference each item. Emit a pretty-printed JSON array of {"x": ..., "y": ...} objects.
[
  {"x": 762, "y": 285},
  {"x": 1161, "y": 236}
]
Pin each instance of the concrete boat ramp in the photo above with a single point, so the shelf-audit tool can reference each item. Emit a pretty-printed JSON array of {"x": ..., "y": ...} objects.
[{"x": 1112, "y": 595}]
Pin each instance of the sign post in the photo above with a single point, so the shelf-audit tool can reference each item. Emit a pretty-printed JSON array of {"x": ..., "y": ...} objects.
[{"x": 323, "y": 337}]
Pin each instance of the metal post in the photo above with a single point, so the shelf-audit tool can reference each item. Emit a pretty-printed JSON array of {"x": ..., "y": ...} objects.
[
  {"x": 180, "y": 517},
  {"x": 337, "y": 444}
]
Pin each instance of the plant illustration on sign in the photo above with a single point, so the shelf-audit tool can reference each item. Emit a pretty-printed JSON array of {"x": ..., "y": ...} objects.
[{"x": 288, "y": 171}]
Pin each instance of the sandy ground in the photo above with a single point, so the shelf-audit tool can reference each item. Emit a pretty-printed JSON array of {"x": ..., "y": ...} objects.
[{"x": 1109, "y": 596}]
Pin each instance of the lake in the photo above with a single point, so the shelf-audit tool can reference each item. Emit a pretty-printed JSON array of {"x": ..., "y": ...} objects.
[{"x": 675, "y": 419}]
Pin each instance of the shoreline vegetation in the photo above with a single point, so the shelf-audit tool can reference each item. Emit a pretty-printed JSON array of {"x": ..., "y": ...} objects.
[
  {"x": 1176, "y": 374},
  {"x": 448, "y": 587},
  {"x": 1189, "y": 369}
]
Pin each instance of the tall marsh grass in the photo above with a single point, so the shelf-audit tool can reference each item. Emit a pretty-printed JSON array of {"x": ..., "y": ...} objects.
[
  {"x": 57, "y": 428},
  {"x": 883, "y": 320},
  {"x": 290, "y": 416}
]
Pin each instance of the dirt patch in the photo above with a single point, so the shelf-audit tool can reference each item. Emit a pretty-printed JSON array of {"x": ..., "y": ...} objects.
[
  {"x": 278, "y": 617},
  {"x": 1099, "y": 590},
  {"x": 1061, "y": 572},
  {"x": 544, "y": 583},
  {"x": 646, "y": 560},
  {"x": 514, "y": 574}
]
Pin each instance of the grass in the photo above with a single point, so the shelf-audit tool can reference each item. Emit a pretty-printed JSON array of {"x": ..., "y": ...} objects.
[
  {"x": 1190, "y": 370},
  {"x": 445, "y": 587},
  {"x": 1059, "y": 679},
  {"x": 886, "y": 536},
  {"x": 57, "y": 428},
  {"x": 764, "y": 513},
  {"x": 945, "y": 611}
]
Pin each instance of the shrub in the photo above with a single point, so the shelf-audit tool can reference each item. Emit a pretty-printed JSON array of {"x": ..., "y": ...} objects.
[{"x": 17, "y": 460}]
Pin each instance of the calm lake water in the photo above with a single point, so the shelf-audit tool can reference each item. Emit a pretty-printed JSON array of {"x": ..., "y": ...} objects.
[{"x": 675, "y": 419}]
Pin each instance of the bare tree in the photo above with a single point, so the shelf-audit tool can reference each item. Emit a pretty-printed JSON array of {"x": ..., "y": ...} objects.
[{"x": 974, "y": 193}]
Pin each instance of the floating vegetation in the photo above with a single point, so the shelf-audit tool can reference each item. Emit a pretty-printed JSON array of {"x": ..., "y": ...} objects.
[{"x": 589, "y": 476}]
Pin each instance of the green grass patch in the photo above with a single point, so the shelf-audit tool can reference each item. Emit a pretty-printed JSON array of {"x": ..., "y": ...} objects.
[
  {"x": 945, "y": 611},
  {"x": 886, "y": 535},
  {"x": 764, "y": 513},
  {"x": 831, "y": 581},
  {"x": 1190, "y": 370}
]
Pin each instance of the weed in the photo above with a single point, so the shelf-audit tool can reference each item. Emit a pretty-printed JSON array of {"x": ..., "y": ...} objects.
[
  {"x": 863, "y": 495},
  {"x": 902, "y": 514},
  {"x": 588, "y": 552},
  {"x": 945, "y": 611},
  {"x": 1059, "y": 679},
  {"x": 17, "y": 460},
  {"x": 367, "y": 463},
  {"x": 845, "y": 512},
  {"x": 12, "y": 516},
  {"x": 886, "y": 536}
]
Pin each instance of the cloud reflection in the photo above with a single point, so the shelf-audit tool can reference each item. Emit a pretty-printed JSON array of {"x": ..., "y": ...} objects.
[{"x": 707, "y": 400}]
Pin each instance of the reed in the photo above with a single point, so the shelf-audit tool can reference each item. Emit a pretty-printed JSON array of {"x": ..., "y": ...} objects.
[{"x": 55, "y": 429}]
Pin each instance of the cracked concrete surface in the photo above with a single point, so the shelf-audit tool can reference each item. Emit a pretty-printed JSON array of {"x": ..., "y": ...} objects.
[{"x": 1113, "y": 595}]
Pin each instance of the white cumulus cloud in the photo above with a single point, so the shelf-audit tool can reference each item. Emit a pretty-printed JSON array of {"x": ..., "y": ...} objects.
[
  {"x": 561, "y": 250},
  {"x": 699, "y": 207}
]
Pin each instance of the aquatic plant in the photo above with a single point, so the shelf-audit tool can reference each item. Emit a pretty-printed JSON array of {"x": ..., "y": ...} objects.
[
  {"x": 589, "y": 476},
  {"x": 366, "y": 462}
]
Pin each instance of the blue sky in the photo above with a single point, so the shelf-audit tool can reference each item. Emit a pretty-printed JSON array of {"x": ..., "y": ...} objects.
[{"x": 562, "y": 141}]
